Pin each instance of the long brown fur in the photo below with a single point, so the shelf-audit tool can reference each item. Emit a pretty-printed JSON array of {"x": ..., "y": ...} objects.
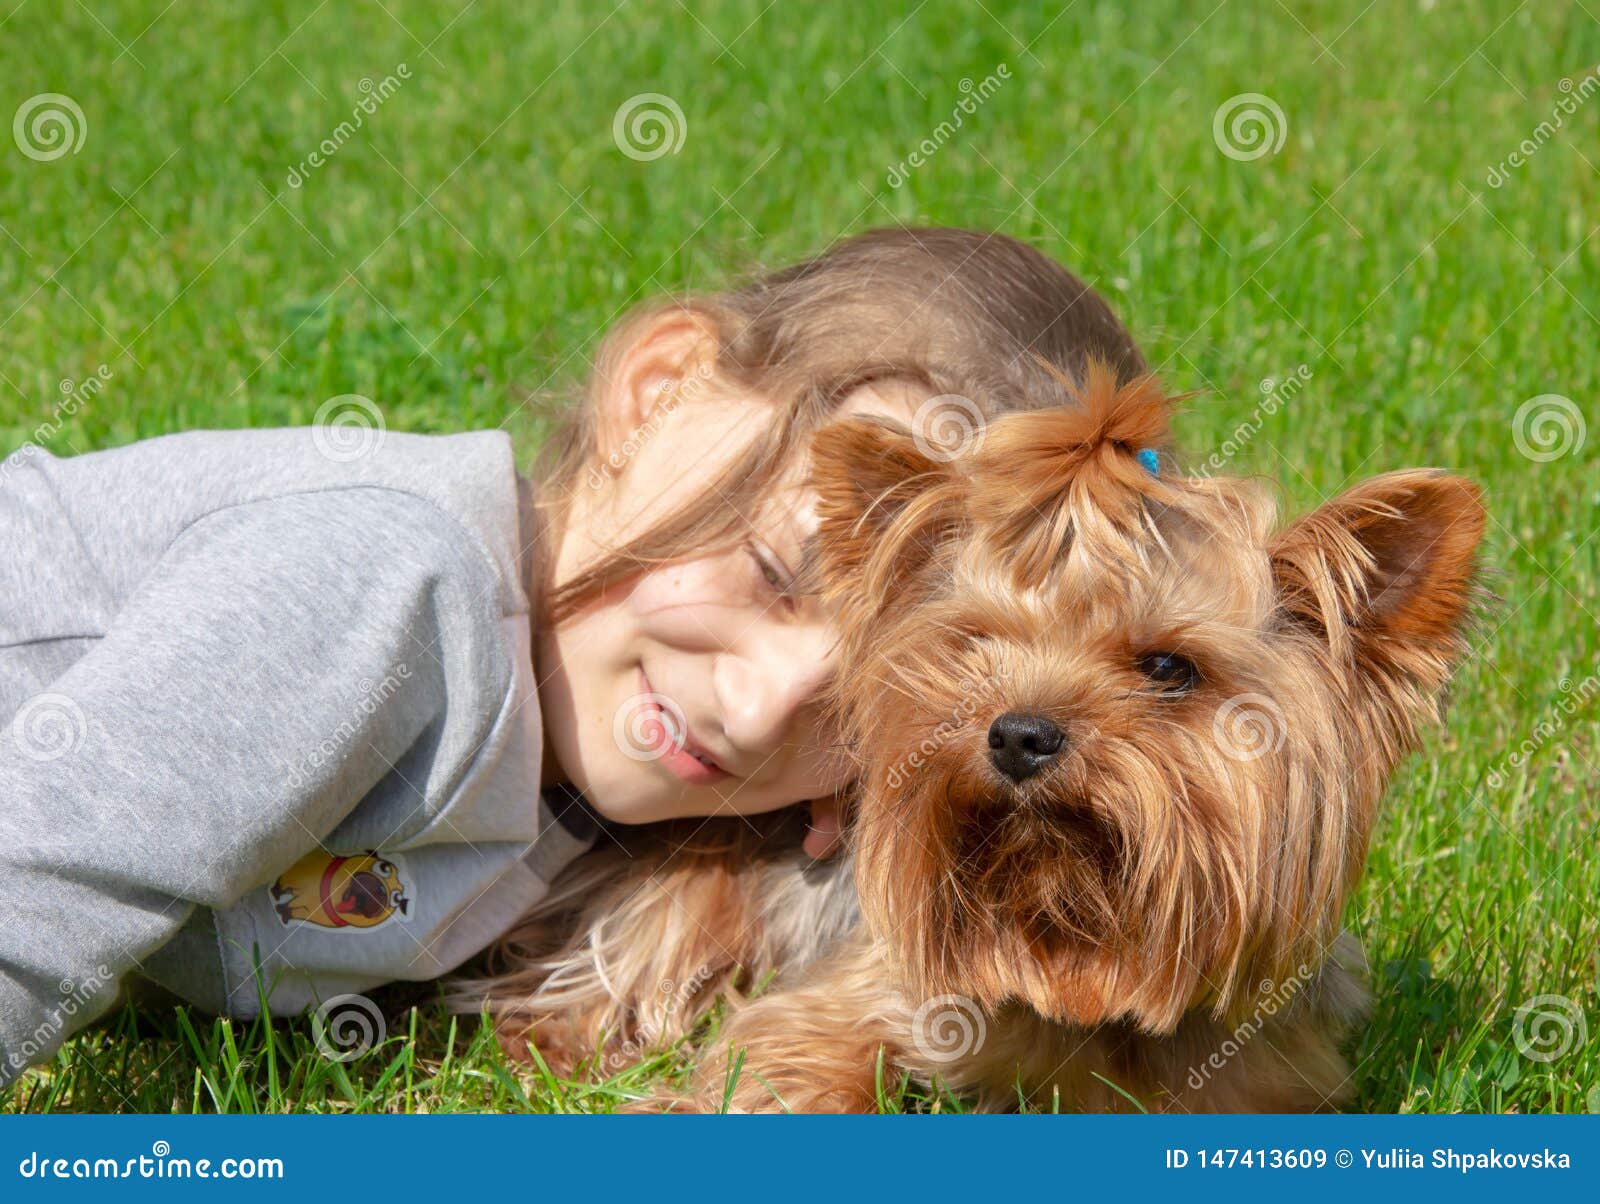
[
  {"x": 1171, "y": 884},
  {"x": 639, "y": 938}
]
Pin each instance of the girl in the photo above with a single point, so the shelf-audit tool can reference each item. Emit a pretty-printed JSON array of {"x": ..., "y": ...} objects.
[{"x": 291, "y": 715}]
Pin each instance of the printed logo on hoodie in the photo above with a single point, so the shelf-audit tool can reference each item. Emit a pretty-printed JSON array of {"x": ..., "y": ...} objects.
[{"x": 330, "y": 891}]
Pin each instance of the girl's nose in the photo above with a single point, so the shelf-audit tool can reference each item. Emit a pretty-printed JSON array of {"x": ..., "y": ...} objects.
[{"x": 760, "y": 695}]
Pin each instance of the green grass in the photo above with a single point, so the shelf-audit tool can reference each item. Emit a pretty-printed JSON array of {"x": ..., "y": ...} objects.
[{"x": 459, "y": 255}]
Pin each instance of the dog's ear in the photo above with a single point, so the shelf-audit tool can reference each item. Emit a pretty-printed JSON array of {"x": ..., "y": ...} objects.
[
  {"x": 1385, "y": 573},
  {"x": 883, "y": 502}
]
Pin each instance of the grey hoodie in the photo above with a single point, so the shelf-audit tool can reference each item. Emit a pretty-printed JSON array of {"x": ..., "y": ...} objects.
[{"x": 268, "y": 700}]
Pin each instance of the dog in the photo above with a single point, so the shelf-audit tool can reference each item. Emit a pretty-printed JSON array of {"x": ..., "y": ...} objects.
[{"x": 1121, "y": 741}]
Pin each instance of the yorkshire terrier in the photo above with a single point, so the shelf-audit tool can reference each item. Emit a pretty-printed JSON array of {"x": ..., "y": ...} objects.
[{"x": 1121, "y": 743}]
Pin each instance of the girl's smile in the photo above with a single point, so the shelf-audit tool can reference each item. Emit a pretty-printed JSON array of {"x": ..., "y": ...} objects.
[{"x": 672, "y": 741}]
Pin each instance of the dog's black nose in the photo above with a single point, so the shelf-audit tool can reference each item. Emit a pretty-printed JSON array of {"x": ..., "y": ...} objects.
[{"x": 1021, "y": 744}]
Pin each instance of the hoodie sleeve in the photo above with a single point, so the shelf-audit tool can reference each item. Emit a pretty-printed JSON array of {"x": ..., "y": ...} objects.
[{"x": 213, "y": 736}]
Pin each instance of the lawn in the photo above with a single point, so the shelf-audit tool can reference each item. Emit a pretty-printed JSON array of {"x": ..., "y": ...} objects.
[{"x": 193, "y": 256}]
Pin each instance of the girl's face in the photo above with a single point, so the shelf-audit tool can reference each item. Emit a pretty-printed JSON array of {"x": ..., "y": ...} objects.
[{"x": 692, "y": 689}]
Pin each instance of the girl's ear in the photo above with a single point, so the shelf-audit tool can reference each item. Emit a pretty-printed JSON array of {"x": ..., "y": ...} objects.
[{"x": 663, "y": 361}]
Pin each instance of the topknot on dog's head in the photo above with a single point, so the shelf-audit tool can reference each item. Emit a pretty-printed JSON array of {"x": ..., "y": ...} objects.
[
  {"x": 1039, "y": 476},
  {"x": 1028, "y": 481}
]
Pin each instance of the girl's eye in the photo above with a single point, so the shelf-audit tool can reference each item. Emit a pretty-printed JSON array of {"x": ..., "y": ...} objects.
[
  {"x": 1170, "y": 671},
  {"x": 769, "y": 569}
]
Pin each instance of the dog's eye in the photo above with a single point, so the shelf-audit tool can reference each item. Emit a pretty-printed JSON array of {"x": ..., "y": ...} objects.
[{"x": 1169, "y": 670}]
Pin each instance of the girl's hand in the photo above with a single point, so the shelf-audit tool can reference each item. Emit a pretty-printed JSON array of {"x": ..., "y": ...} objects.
[{"x": 826, "y": 832}]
